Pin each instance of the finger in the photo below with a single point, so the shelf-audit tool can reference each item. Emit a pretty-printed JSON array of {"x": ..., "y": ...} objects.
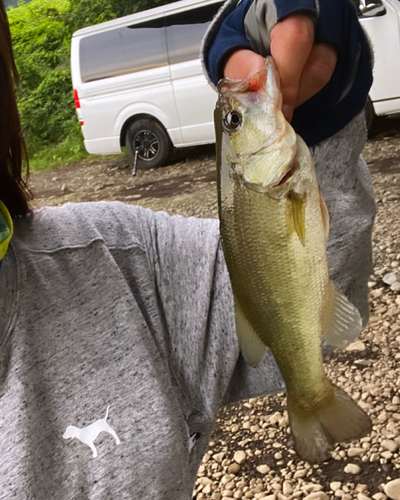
[
  {"x": 291, "y": 44},
  {"x": 317, "y": 71},
  {"x": 243, "y": 63}
]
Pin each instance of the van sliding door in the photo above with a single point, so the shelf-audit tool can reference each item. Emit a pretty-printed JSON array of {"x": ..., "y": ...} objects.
[{"x": 195, "y": 99}]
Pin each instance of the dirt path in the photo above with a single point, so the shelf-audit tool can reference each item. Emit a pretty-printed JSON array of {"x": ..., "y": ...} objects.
[{"x": 187, "y": 186}]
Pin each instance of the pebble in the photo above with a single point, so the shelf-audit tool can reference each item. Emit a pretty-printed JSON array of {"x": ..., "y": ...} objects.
[
  {"x": 392, "y": 489},
  {"x": 355, "y": 452},
  {"x": 395, "y": 287},
  {"x": 390, "y": 278},
  {"x": 352, "y": 469},
  {"x": 234, "y": 468},
  {"x": 390, "y": 445},
  {"x": 358, "y": 345},
  {"x": 300, "y": 473},
  {"x": 218, "y": 457},
  {"x": 317, "y": 495},
  {"x": 207, "y": 489},
  {"x": 335, "y": 485},
  {"x": 239, "y": 456},
  {"x": 263, "y": 469},
  {"x": 287, "y": 488},
  {"x": 362, "y": 496},
  {"x": 374, "y": 457},
  {"x": 204, "y": 481}
]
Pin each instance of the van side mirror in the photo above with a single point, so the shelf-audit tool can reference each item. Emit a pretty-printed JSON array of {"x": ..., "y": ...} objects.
[{"x": 371, "y": 8}]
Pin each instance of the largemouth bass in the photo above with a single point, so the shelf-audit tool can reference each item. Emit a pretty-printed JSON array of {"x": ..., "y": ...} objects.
[{"x": 274, "y": 227}]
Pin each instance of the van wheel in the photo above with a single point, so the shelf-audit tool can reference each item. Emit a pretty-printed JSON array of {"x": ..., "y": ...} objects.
[{"x": 151, "y": 141}]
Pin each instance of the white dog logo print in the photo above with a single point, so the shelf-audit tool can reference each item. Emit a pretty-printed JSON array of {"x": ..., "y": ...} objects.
[{"x": 87, "y": 435}]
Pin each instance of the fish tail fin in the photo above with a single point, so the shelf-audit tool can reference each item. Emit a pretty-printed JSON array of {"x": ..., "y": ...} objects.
[{"x": 338, "y": 418}]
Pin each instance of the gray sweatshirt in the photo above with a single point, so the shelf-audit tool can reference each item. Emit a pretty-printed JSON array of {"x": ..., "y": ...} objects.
[
  {"x": 118, "y": 344},
  {"x": 113, "y": 305}
]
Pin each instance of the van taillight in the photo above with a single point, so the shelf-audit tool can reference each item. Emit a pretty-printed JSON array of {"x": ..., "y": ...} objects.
[{"x": 76, "y": 97}]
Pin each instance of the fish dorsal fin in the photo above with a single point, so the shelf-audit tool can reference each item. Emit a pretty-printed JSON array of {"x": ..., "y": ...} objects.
[
  {"x": 299, "y": 215},
  {"x": 343, "y": 321},
  {"x": 251, "y": 346},
  {"x": 325, "y": 214}
]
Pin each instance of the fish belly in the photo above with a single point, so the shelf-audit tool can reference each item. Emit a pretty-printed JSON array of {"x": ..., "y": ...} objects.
[{"x": 279, "y": 283}]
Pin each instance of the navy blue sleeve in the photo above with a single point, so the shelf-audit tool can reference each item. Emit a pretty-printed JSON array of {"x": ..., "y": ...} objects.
[
  {"x": 230, "y": 37},
  {"x": 285, "y": 8},
  {"x": 345, "y": 95}
]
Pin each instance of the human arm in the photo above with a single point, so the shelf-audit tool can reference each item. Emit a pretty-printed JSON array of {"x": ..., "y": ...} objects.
[
  {"x": 304, "y": 68},
  {"x": 262, "y": 26}
]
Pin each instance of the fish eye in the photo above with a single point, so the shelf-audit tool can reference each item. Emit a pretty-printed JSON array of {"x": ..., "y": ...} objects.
[{"x": 232, "y": 121}]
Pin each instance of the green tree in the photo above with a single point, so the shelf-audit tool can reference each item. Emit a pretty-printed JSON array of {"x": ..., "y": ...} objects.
[
  {"x": 41, "y": 47},
  {"x": 41, "y": 32}
]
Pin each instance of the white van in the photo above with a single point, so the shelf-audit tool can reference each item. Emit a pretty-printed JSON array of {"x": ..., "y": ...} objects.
[
  {"x": 138, "y": 80},
  {"x": 381, "y": 21}
]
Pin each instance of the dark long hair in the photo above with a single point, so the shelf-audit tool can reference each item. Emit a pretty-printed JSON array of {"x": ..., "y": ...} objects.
[{"x": 14, "y": 191}]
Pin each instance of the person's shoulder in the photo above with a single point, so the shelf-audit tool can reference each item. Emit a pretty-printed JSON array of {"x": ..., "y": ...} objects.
[{"x": 80, "y": 224}]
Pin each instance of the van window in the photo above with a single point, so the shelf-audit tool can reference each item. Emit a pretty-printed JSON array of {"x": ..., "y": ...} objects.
[
  {"x": 123, "y": 50},
  {"x": 185, "y": 32}
]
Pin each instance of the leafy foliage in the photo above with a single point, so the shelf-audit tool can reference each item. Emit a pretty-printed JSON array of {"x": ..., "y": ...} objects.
[{"x": 41, "y": 32}]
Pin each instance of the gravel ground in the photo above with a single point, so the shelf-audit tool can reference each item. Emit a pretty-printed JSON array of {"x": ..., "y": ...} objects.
[{"x": 250, "y": 454}]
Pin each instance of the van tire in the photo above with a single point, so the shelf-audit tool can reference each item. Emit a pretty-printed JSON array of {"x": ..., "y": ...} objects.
[{"x": 152, "y": 142}]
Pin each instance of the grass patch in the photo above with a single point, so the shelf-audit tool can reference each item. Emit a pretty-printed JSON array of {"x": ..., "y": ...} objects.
[{"x": 70, "y": 150}]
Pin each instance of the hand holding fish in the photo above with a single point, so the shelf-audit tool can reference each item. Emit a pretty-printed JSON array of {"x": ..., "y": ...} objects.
[{"x": 304, "y": 67}]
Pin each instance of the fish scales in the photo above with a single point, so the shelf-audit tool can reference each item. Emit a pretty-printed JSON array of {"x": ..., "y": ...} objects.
[
  {"x": 268, "y": 281},
  {"x": 274, "y": 227}
]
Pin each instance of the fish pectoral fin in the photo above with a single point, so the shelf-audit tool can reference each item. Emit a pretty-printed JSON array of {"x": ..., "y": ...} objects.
[
  {"x": 299, "y": 215},
  {"x": 337, "y": 418},
  {"x": 251, "y": 346},
  {"x": 343, "y": 322}
]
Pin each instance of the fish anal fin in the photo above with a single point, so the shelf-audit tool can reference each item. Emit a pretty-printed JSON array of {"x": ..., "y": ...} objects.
[
  {"x": 337, "y": 419},
  {"x": 299, "y": 214},
  {"x": 343, "y": 323},
  {"x": 325, "y": 214},
  {"x": 251, "y": 346}
]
